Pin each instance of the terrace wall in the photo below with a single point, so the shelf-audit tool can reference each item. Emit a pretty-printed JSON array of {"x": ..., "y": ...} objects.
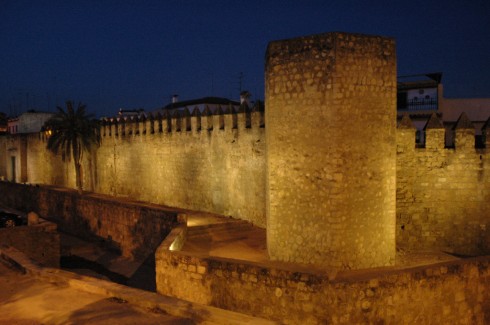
[
  {"x": 135, "y": 229},
  {"x": 447, "y": 293}
]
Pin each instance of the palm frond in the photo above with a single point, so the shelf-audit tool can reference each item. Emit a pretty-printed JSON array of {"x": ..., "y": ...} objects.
[{"x": 72, "y": 131}]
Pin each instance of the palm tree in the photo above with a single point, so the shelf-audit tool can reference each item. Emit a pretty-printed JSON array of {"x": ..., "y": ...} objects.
[{"x": 72, "y": 132}]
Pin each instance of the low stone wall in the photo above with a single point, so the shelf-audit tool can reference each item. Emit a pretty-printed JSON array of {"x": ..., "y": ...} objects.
[
  {"x": 136, "y": 229},
  {"x": 40, "y": 242},
  {"x": 445, "y": 293},
  {"x": 199, "y": 314}
]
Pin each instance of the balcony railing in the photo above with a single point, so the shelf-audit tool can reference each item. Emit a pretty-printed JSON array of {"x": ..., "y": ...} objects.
[{"x": 418, "y": 105}]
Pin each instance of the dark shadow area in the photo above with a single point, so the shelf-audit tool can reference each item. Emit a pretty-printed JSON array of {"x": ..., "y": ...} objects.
[
  {"x": 75, "y": 262},
  {"x": 460, "y": 255},
  {"x": 143, "y": 278}
]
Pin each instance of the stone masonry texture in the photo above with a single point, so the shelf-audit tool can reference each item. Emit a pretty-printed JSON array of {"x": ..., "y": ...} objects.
[
  {"x": 456, "y": 292},
  {"x": 132, "y": 228},
  {"x": 443, "y": 194},
  {"x": 36, "y": 242},
  {"x": 331, "y": 150},
  {"x": 217, "y": 163}
]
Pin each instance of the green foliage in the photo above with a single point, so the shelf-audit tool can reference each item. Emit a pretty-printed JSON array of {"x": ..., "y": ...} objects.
[{"x": 72, "y": 132}]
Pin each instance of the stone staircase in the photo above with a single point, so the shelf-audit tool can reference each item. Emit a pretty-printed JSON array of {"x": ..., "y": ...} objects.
[{"x": 232, "y": 238}]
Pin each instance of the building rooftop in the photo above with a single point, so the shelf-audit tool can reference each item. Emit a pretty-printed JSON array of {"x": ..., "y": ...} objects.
[
  {"x": 419, "y": 80},
  {"x": 201, "y": 101}
]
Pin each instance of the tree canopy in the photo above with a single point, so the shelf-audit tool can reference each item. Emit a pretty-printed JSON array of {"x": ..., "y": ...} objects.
[{"x": 72, "y": 132}]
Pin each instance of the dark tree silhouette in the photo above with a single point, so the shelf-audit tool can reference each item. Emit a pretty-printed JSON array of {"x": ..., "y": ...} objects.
[{"x": 72, "y": 132}]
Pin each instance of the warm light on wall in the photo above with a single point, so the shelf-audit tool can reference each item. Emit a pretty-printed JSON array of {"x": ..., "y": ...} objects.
[{"x": 173, "y": 247}]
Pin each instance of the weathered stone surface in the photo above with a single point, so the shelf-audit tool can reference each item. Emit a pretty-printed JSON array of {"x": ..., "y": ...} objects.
[
  {"x": 136, "y": 230},
  {"x": 220, "y": 170},
  {"x": 443, "y": 194},
  {"x": 454, "y": 292},
  {"x": 40, "y": 242},
  {"x": 331, "y": 150}
]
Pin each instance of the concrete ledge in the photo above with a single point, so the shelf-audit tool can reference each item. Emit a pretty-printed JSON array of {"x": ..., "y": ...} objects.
[
  {"x": 200, "y": 313},
  {"x": 177, "y": 237}
]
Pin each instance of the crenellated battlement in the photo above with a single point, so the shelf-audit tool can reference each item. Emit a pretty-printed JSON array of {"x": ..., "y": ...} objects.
[
  {"x": 462, "y": 135},
  {"x": 221, "y": 119},
  {"x": 332, "y": 176},
  {"x": 443, "y": 190}
]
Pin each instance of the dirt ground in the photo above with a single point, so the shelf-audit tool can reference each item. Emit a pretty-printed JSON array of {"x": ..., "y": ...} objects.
[{"x": 24, "y": 300}]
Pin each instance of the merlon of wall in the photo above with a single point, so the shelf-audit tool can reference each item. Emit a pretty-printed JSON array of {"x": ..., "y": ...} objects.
[
  {"x": 196, "y": 121},
  {"x": 462, "y": 134},
  {"x": 443, "y": 193}
]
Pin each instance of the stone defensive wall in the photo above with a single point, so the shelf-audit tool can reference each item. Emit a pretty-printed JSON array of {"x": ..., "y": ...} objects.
[
  {"x": 209, "y": 161},
  {"x": 443, "y": 194},
  {"x": 325, "y": 162},
  {"x": 456, "y": 292},
  {"x": 134, "y": 229}
]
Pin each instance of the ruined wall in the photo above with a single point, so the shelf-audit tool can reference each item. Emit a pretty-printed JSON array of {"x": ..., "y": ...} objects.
[
  {"x": 39, "y": 242},
  {"x": 135, "y": 229},
  {"x": 330, "y": 115},
  {"x": 446, "y": 293},
  {"x": 443, "y": 194}
]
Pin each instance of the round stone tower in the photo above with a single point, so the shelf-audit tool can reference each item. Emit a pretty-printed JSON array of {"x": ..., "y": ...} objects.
[{"x": 331, "y": 150}]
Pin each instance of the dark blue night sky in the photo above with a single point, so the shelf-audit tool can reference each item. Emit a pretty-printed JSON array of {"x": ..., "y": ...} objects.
[{"x": 137, "y": 54}]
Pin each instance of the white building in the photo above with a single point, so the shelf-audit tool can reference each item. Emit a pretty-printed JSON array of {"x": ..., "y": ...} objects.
[
  {"x": 29, "y": 122},
  {"x": 421, "y": 95},
  {"x": 201, "y": 104}
]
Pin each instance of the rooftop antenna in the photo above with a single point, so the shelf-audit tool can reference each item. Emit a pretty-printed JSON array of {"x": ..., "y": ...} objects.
[{"x": 240, "y": 81}]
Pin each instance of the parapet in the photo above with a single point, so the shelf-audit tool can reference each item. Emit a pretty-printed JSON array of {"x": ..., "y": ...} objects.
[
  {"x": 462, "y": 134},
  {"x": 185, "y": 121}
]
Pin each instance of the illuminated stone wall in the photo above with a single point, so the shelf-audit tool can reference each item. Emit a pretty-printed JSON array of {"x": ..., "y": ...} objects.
[
  {"x": 446, "y": 293},
  {"x": 210, "y": 163},
  {"x": 13, "y": 154},
  {"x": 331, "y": 150},
  {"x": 443, "y": 194},
  {"x": 331, "y": 180},
  {"x": 45, "y": 168},
  {"x": 133, "y": 228}
]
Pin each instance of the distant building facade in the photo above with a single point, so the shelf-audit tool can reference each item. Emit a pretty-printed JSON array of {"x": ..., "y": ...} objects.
[
  {"x": 28, "y": 122},
  {"x": 419, "y": 96},
  {"x": 3, "y": 123},
  {"x": 212, "y": 103}
]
